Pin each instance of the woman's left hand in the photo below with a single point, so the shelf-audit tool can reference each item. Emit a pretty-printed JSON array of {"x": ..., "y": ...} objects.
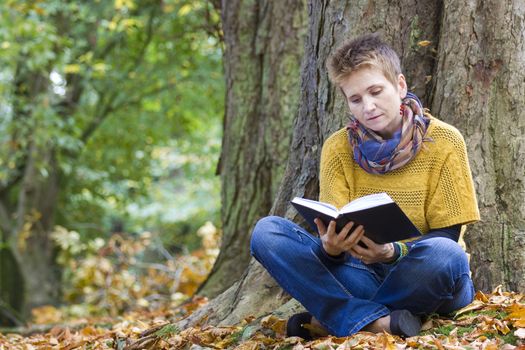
[{"x": 373, "y": 253}]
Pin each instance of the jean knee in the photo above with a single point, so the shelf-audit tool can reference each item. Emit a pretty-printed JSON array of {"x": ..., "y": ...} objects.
[
  {"x": 444, "y": 254},
  {"x": 263, "y": 237}
]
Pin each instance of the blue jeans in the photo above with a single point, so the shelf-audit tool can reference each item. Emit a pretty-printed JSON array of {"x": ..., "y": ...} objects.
[{"x": 345, "y": 297}]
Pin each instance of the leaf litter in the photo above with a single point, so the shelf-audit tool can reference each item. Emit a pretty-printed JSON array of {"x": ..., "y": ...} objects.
[
  {"x": 145, "y": 318},
  {"x": 491, "y": 321}
]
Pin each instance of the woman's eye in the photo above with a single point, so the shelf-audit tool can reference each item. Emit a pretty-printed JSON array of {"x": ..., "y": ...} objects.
[
  {"x": 355, "y": 100},
  {"x": 376, "y": 92}
]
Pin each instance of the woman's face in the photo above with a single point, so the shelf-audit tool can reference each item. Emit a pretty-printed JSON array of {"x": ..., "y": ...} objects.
[{"x": 374, "y": 100}]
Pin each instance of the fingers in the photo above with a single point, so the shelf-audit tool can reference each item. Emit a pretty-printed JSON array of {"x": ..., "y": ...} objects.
[
  {"x": 356, "y": 234},
  {"x": 321, "y": 228},
  {"x": 349, "y": 238},
  {"x": 344, "y": 240},
  {"x": 373, "y": 252},
  {"x": 367, "y": 241}
]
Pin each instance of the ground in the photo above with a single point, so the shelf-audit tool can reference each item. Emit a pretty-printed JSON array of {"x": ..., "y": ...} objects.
[{"x": 492, "y": 321}]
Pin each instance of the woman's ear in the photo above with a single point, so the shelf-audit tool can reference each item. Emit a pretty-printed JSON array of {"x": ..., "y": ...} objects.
[{"x": 402, "y": 86}]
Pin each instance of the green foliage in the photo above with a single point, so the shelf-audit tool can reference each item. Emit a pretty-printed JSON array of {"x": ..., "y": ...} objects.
[
  {"x": 127, "y": 96},
  {"x": 167, "y": 331}
]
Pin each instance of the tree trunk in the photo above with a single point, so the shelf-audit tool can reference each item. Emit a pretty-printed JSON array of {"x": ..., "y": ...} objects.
[
  {"x": 29, "y": 200},
  {"x": 263, "y": 50},
  {"x": 479, "y": 88},
  {"x": 11, "y": 300},
  {"x": 322, "y": 110},
  {"x": 31, "y": 242}
]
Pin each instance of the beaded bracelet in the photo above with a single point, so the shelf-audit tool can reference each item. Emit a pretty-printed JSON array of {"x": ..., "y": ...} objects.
[{"x": 403, "y": 251}]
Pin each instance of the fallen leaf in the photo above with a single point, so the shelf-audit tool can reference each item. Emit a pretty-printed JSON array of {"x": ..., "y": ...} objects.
[
  {"x": 274, "y": 323},
  {"x": 249, "y": 345},
  {"x": 386, "y": 341},
  {"x": 475, "y": 305},
  {"x": 481, "y": 297},
  {"x": 424, "y": 43},
  {"x": 46, "y": 315}
]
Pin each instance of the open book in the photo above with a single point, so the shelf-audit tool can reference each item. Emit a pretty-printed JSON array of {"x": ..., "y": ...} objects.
[{"x": 382, "y": 219}]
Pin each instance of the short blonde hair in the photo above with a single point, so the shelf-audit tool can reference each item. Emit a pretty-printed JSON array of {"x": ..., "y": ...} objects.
[{"x": 364, "y": 51}]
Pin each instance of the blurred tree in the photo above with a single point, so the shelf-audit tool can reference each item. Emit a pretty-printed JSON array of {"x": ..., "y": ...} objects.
[{"x": 90, "y": 90}]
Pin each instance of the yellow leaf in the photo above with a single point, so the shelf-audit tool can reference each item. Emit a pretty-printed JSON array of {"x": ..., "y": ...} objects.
[
  {"x": 46, "y": 314},
  {"x": 130, "y": 23},
  {"x": 503, "y": 328},
  {"x": 519, "y": 323},
  {"x": 112, "y": 25},
  {"x": 438, "y": 344},
  {"x": 99, "y": 67},
  {"x": 72, "y": 68},
  {"x": 184, "y": 10},
  {"x": 120, "y": 4},
  {"x": 516, "y": 314},
  {"x": 23, "y": 235},
  {"x": 424, "y": 43},
  {"x": 87, "y": 57},
  {"x": 481, "y": 297},
  {"x": 5, "y": 45}
]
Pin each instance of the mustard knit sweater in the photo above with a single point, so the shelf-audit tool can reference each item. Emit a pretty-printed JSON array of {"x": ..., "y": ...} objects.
[{"x": 435, "y": 189}]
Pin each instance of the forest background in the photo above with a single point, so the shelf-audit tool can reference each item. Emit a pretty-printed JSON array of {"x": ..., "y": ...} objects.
[
  {"x": 112, "y": 120},
  {"x": 111, "y": 124}
]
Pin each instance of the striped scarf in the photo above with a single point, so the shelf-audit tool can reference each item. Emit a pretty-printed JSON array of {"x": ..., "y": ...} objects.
[{"x": 377, "y": 155}]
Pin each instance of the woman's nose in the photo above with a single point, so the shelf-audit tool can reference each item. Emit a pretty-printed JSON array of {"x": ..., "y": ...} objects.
[{"x": 368, "y": 105}]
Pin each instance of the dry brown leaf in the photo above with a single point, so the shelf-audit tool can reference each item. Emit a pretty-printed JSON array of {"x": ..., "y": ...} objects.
[
  {"x": 386, "y": 341},
  {"x": 274, "y": 323},
  {"x": 481, "y": 297},
  {"x": 248, "y": 345},
  {"x": 424, "y": 43}
]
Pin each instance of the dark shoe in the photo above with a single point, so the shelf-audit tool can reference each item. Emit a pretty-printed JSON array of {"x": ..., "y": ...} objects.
[
  {"x": 404, "y": 323},
  {"x": 295, "y": 326}
]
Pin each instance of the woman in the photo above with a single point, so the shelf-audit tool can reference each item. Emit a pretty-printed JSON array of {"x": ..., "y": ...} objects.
[{"x": 346, "y": 281}]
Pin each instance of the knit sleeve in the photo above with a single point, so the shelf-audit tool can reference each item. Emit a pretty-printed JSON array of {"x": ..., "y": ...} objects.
[
  {"x": 453, "y": 200},
  {"x": 333, "y": 187}
]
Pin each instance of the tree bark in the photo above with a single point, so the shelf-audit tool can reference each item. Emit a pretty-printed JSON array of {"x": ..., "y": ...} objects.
[
  {"x": 479, "y": 88},
  {"x": 28, "y": 219},
  {"x": 263, "y": 49},
  {"x": 11, "y": 300},
  {"x": 30, "y": 242},
  {"x": 322, "y": 110}
]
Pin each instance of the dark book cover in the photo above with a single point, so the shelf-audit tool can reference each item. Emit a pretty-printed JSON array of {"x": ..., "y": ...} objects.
[{"x": 383, "y": 224}]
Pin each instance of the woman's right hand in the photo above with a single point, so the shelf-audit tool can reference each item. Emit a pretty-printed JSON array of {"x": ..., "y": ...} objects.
[{"x": 335, "y": 243}]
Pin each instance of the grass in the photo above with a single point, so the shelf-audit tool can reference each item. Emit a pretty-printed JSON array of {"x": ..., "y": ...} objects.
[{"x": 167, "y": 331}]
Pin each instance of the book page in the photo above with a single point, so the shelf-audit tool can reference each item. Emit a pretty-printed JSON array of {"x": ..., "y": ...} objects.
[
  {"x": 365, "y": 202},
  {"x": 319, "y": 206}
]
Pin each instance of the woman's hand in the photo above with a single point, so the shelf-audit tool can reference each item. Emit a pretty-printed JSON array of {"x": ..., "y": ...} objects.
[
  {"x": 335, "y": 243},
  {"x": 373, "y": 253}
]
